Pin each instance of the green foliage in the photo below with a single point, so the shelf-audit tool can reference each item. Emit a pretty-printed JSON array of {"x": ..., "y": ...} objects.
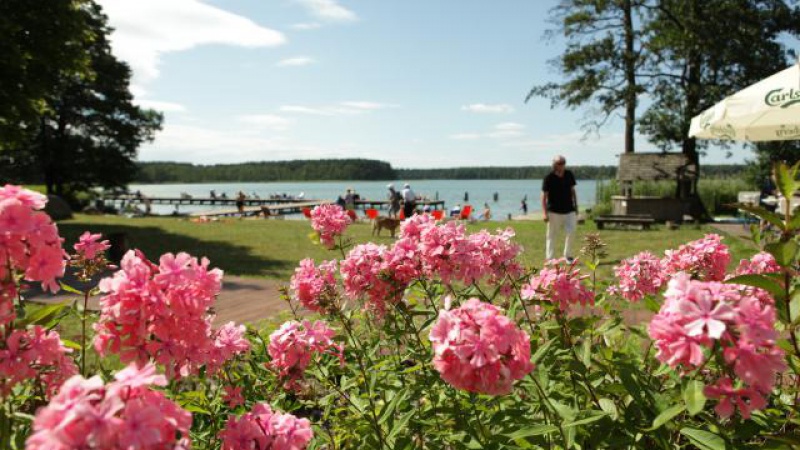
[
  {"x": 297, "y": 170},
  {"x": 718, "y": 194},
  {"x": 40, "y": 42},
  {"x": 88, "y": 130}
]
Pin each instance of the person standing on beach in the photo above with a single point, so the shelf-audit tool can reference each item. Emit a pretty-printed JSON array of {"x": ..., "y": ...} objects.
[
  {"x": 394, "y": 201},
  {"x": 240, "y": 198},
  {"x": 559, "y": 203},
  {"x": 409, "y": 201}
]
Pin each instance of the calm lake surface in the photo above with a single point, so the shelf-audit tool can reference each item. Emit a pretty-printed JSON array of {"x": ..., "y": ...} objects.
[{"x": 509, "y": 192}]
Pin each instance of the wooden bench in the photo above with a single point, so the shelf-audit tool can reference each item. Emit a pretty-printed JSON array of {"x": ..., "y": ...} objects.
[{"x": 642, "y": 220}]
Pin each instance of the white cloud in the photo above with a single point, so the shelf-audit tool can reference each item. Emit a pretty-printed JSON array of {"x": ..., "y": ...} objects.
[
  {"x": 342, "y": 109},
  {"x": 295, "y": 62},
  {"x": 329, "y": 10},
  {"x": 465, "y": 136},
  {"x": 209, "y": 145},
  {"x": 161, "y": 106},
  {"x": 147, "y": 29},
  {"x": 483, "y": 108},
  {"x": 306, "y": 26},
  {"x": 268, "y": 121},
  {"x": 368, "y": 105},
  {"x": 509, "y": 126}
]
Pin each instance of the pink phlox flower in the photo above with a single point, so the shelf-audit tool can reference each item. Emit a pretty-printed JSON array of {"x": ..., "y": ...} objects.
[
  {"x": 36, "y": 355},
  {"x": 313, "y": 286},
  {"x": 329, "y": 221},
  {"x": 124, "y": 414},
  {"x": 478, "y": 349},
  {"x": 233, "y": 396},
  {"x": 163, "y": 314},
  {"x": 265, "y": 429},
  {"x": 31, "y": 199},
  {"x": 295, "y": 344},
  {"x": 365, "y": 276},
  {"x": 89, "y": 245},
  {"x": 730, "y": 398},
  {"x": 559, "y": 282},
  {"x": 699, "y": 317},
  {"x": 638, "y": 276},
  {"x": 761, "y": 263},
  {"x": 705, "y": 259}
]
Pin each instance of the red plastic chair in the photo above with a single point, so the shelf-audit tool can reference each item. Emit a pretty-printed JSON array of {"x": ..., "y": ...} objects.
[
  {"x": 371, "y": 213},
  {"x": 437, "y": 214},
  {"x": 465, "y": 212},
  {"x": 307, "y": 212}
]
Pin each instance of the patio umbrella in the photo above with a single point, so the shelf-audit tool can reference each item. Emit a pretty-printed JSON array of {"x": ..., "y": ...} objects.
[{"x": 766, "y": 111}]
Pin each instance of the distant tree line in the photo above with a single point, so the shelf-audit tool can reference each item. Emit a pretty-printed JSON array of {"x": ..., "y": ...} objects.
[
  {"x": 325, "y": 169},
  {"x": 365, "y": 169}
]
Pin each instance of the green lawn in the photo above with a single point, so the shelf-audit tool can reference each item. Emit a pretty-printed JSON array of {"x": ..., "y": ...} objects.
[{"x": 272, "y": 248}]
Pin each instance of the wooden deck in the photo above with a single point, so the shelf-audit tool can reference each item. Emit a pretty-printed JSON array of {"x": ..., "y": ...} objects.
[
  {"x": 274, "y": 210},
  {"x": 199, "y": 201}
]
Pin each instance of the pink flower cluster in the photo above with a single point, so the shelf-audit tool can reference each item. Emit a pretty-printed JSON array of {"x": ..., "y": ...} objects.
[
  {"x": 638, "y": 276},
  {"x": 427, "y": 249},
  {"x": 559, "y": 282},
  {"x": 314, "y": 286},
  {"x": 89, "y": 245},
  {"x": 29, "y": 245},
  {"x": 367, "y": 271},
  {"x": 329, "y": 221},
  {"x": 124, "y": 414},
  {"x": 163, "y": 313},
  {"x": 760, "y": 263},
  {"x": 265, "y": 429},
  {"x": 35, "y": 354},
  {"x": 698, "y": 318},
  {"x": 478, "y": 349},
  {"x": 294, "y": 344},
  {"x": 705, "y": 259}
]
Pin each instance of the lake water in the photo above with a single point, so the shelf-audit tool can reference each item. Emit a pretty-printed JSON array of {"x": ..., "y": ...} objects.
[{"x": 509, "y": 192}]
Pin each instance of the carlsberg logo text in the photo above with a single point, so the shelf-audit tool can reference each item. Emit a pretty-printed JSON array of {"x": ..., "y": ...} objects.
[{"x": 782, "y": 98}]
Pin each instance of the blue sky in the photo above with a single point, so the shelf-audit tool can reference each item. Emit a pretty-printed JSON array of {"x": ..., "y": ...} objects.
[{"x": 417, "y": 83}]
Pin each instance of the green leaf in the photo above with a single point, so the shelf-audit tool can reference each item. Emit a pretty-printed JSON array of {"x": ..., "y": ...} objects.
[
  {"x": 609, "y": 407},
  {"x": 70, "y": 344},
  {"x": 197, "y": 409},
  {"x": 704, "y": 440},
  {"x": 70, "y": 289},
  {"x": 759, "y": 281},
  {"x": 44, "y": 314},
  {"x": 785, "y": 179},
  {"x": 588, "y": 417},
  {"x": 536, "y": 430},
  {"x": 652, "y": 304},
  {"x": 392, "y": 406},
  {"x": 769, "y": 216},
  {"x": 400, "y": 425},
  {"x": 666, "y": 415},
  {"x": 541, "y": 351},
  {"x": 693, "y": 397},
  {"x": 784, "y": 252}
]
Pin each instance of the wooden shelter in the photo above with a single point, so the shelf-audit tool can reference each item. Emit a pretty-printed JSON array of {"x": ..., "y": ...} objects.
[{"x": 656, "y": 167}]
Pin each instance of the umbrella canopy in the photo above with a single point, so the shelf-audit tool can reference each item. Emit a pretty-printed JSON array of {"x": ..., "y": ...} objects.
[{"x": 766, "y": 111}]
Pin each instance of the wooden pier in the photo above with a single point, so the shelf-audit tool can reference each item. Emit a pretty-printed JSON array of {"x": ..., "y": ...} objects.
[
  {"x": 274, "y": 210},
  {"x": 253, "y": 206}
]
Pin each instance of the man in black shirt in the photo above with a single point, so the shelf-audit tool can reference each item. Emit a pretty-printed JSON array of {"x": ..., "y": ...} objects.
[{"x": 559, "y": 203}]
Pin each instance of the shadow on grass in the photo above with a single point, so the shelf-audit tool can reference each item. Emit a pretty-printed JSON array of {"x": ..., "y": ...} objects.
[{"x": 154, "y": 241}]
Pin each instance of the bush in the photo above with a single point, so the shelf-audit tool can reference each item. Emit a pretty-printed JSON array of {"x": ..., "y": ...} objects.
[
  {"x": 717, "y": 194},
  {"x": 441, "y": 340}
]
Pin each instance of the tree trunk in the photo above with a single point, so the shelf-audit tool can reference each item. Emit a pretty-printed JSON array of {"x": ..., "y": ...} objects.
[{"x": 630, "y": 77}]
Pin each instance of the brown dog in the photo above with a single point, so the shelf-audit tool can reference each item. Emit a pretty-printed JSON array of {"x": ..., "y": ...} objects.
[{"x": 381, "y": 222}]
